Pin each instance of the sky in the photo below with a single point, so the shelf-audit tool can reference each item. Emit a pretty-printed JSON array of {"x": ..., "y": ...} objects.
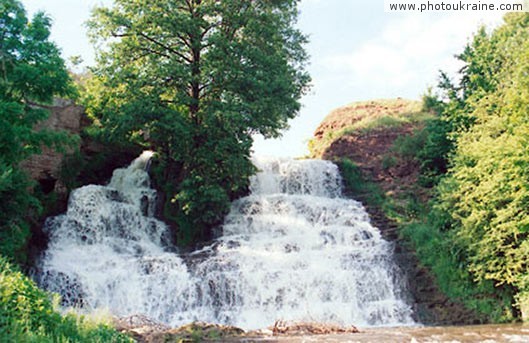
[{"x": 358, "y": 52}]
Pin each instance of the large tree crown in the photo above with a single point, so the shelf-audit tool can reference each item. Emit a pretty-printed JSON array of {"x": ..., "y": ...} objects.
[{"x": 242, "y": 60}]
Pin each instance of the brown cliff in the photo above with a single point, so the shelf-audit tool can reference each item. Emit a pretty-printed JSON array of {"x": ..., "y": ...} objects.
[
  {"x": 91, "y": 162},
  {"x": 45, "y": 168}
]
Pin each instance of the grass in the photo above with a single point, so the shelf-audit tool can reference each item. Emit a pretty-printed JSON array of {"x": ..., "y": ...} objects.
[
  {"x": 436, "y": 250},
  {"x": 401, "y": 208},
  {"x": 356, "y": 185}
]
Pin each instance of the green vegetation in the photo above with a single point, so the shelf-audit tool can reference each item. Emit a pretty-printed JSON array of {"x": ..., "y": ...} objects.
[
  {"x": 486, "y": 191},
  {"x": 28, "y": 315},
  {"x": 474, "y": 162},
  {"x": 425, "y": 226},
  {"x": 480, "y": 210},
  {"x": 357, "y": 185},
  {"x": 194, "y": 81},
  {"x": 31, "y": 73}
]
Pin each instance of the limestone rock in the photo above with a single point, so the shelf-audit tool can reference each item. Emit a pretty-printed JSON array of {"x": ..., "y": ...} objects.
[{"x": 45, "y": 167}]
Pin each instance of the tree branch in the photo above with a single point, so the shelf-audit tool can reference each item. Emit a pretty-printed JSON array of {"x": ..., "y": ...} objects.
[
  {"x": 168, "y": 48},
  {"x": 158, "y": 53},
  {"x": 184, "y": 40}
]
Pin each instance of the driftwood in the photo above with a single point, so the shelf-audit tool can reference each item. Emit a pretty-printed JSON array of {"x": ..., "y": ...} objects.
[{"x": 306, "y": 328}]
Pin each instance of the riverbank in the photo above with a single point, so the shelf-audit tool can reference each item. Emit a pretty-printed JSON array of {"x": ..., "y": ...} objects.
[
  {"x": 373, "y": 142},
  {"x": 463, "y": 334},
  {"x": 201, "y": 332}
]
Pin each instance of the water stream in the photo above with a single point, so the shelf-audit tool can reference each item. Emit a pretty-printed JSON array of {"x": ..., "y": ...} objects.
[{"x": 294, "y": 249}]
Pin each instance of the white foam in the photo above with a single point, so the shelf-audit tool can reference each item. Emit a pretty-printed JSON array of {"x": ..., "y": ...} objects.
[{"x": 294, "y": 249}]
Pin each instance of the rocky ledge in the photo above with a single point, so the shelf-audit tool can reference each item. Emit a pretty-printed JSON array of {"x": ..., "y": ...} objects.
[
  {"x": 145, "y": 330},
  {"x": 45, "y": 168}
]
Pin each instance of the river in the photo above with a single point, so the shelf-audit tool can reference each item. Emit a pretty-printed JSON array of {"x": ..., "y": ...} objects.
[{"x": 451, "y": 334}]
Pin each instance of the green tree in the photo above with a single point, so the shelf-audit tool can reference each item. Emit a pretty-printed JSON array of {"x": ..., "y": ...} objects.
[
  {"x": 489, "y": 188},
  {"x": 481, "y": 207},
  {"x": 194, "y": 80},
  {"x": 482, "y": 60},
  {"x": 31, "y": 73}
]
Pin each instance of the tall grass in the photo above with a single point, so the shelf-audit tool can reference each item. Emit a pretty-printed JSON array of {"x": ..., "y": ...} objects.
[{"x": 437, "y": 251}]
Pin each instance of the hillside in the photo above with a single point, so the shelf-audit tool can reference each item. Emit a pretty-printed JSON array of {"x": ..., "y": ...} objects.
[
  {"x": 365, "y": 133},
  {"x": 374, "y": 142}
]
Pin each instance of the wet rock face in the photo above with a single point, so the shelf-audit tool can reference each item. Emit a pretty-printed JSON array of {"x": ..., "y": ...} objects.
[{"x": 45, "y": 168}]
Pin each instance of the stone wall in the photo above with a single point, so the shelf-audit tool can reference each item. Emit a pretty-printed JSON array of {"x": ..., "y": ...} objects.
[{"x": 45, "y": 168}]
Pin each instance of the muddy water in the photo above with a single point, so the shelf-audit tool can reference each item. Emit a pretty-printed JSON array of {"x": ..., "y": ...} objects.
[{"x": 482, "y": 333}]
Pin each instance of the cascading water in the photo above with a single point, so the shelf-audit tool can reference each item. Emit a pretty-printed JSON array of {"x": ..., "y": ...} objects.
[{"x": 292, "y": 250}]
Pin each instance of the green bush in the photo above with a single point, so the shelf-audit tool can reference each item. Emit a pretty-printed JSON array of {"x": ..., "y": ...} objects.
[
  {"x": 483, "y": 198},
  {"x": 356, "y": 185},
  {"x": 408, "y": 147},
  {"x": 27, "y": 315},
  {"x": 17, "y": 204},
  {"x": 437, "y": 251},
  {"x": 435, "y": 151},
  {"x": 388, "y": 162}
]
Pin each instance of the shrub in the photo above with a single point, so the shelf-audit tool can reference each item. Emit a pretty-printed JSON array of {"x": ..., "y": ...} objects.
[{"x": 27, "y": 314}]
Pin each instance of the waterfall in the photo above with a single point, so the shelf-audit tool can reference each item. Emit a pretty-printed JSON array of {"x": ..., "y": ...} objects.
[{"x": 294, "y": 249}]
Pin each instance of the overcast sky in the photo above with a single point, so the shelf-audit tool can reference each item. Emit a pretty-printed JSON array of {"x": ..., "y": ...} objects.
[{"x": 358, "y": 52}]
